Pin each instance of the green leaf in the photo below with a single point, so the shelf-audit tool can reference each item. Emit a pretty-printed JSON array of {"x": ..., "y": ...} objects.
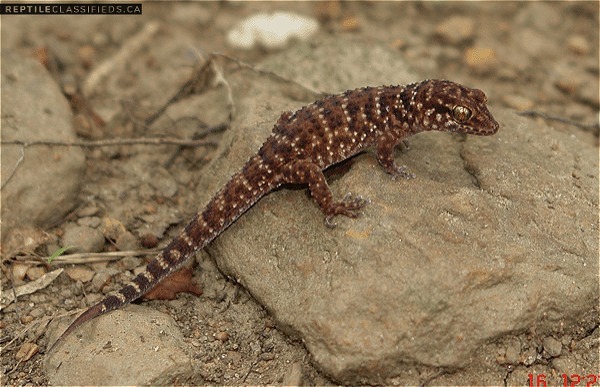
[{"x": 58, "y": 252}]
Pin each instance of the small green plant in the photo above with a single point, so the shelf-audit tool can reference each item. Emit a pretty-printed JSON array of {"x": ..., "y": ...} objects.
[{"x": 58, "y": 252}]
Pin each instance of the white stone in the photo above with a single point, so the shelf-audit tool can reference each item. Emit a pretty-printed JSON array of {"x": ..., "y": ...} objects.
[{"x": 271, "y": 30}]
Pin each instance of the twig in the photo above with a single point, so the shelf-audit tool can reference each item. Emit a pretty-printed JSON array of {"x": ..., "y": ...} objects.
[
  {"x": 267, "y": 73},
  {"x": 249, "y": 371},
  {"x": 77, "y": 258},
  {"x": 533, "y": 113},
  {"x": 42, "y": 320},
  {"x": 221, "y": 80},
  {"x": 99, "y": 257},
  {"x": 118, "y": 61},
  {"x": 114, "y": 142},
  {"x": 199, "y": 79}
]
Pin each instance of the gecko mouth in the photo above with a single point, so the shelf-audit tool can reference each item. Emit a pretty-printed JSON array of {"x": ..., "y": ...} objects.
[
  {"x": 492, "y": 128},
  {"x": 486, "y": 129}
]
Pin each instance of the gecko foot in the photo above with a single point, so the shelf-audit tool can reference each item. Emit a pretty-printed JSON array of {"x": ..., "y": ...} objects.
[
  {"x": 350, "y": 206},
  {"x": 403, "y": 172},
  {"x": 404, "y": 145}
]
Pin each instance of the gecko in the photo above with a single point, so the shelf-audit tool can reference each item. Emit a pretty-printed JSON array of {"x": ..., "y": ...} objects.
[{"x": 301, "y": 146}]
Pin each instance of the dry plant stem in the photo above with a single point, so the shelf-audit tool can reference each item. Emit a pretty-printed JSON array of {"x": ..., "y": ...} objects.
[
  {"x": 197, "y": 81},
  {"x": 42, "y": 320},
  {"x": 271, "y": 74},
  {"x": 100, "y": 143},
  {"x": 115, "y": 142},
  {"x": 99, "y": 257},
  {"x": 127, "y": 53}
]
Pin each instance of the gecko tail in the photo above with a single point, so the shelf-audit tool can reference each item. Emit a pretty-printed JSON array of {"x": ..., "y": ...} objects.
[
  {"x": 95, "y": 311},
  {"x": 165, "y": 263},
  {"x": 223, "y": 209}
]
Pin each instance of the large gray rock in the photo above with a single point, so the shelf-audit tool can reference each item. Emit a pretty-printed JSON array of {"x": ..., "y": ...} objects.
[
  {"x": 494, "y": 236},
  {"x": 45, "y": 184}
]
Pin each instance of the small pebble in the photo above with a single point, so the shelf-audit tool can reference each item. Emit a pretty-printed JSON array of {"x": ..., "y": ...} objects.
[
  {"x": 83, "y": 239},
  {"x": 552, "y": 346},
  {"x": 481, "y": 59},
  {"x": 87, "y": 55},
  {"x": 41, "y": 54},
  {"x": 37, "y": 312},
  {"x": 566, "y": 340},
  {"x": 90, "y": 221},
  {"x": 102, "y": 278},
  {"x": 456, "y": 29},
  {"x": 129, "y": 263},
  {"x": 567, "y": 86},
  {"x": 126, "y": 242},
  {"x": 350, "y": 24},
  {"x": 26, "y": 319},
  {"x": 222, "y": 336},
  {"x": 149, "y": 208},
  {"x": 267, "y": 356},
  {"x": 563, "y": 365},
  {"x": 328, "y": 10},
  {"x": 578, "y": 45},
  {"x": 27, "y": 351},
  {"x": 513, "y": 352},
  {"x": 90, "y": 210},
  {"x": 19, "y": 271},
  {"x": 79, "y": 274},
  {"x": 165, "y": 186},
  {"x": 112, "y": 228},
  {"x": 517, "y": 102},
  {"x": 529, "y": 356},
  {"x": 398, "y": 44},
  {"x": 35, "y": 272}
]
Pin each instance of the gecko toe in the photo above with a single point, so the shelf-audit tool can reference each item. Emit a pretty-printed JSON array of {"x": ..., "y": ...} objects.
[
  {"x": 350, "y": 206},
  {"x": 403, "y": 172},
  {"x": 329, "y": 221}
]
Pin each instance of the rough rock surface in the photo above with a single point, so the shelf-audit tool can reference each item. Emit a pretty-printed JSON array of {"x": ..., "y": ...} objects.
[
  {"x": 110, "y": 353},
  {"x": 45, "y": 184},
  {"x": 495, "y": 235}
]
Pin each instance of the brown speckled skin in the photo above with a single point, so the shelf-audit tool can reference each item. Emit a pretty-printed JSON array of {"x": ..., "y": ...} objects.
[{"x": 305, "y": 143}]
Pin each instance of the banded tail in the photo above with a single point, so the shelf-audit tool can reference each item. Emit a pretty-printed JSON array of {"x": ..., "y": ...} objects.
[{"x": 243, "y": 190}]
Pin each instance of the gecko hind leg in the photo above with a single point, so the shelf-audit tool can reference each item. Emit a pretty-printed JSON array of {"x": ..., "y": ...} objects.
[{"x": 307, "y": 172}]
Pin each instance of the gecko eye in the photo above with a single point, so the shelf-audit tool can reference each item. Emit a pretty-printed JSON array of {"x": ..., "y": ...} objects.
[{"x": 461, "y": 113}]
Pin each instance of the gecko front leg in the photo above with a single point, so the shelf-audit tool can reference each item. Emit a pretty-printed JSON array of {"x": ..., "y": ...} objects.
[
  {"x": 384, "y": 150},
  {"x": 307, "y": 172}
]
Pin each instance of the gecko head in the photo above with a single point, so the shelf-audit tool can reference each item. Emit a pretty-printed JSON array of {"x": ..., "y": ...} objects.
[{"x": 451, "y": 107}]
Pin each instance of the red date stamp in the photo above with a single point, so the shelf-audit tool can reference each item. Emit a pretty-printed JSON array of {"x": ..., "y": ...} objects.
[{"x": 572, "y": 380}]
